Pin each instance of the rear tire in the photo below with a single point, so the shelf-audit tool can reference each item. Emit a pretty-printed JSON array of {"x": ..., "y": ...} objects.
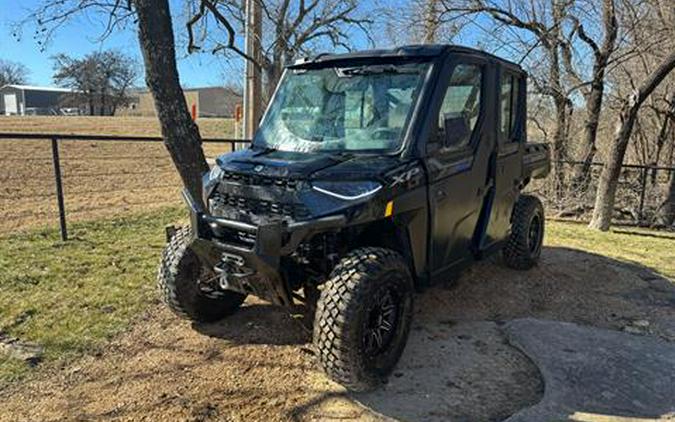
[
  {"x": 363, "y": 317},
  {"x": 523, "y": 248},
  {"x": 178, "y": 279}
]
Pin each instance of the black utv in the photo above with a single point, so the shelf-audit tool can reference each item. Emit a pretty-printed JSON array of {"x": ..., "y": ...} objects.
[{"x": 372, "y": 175}]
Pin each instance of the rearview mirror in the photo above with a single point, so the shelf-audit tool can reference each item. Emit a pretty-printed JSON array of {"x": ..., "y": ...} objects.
[{"x": 455, "y": 130}]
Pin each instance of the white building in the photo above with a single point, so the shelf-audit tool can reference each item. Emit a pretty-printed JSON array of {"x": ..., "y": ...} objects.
[{"x": 31, "y": 100}]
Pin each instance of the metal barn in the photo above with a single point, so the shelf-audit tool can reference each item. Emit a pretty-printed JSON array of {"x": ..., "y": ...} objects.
[
  {"x": 209, "y": 102},
  {"x": 31, "y": 100}
]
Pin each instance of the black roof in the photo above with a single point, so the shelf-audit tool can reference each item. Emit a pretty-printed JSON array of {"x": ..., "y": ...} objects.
[{"x": 404, "y": 52}]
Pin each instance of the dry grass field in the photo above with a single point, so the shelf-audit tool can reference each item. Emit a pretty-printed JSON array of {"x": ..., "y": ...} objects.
[{"x": 100, "y": 179}]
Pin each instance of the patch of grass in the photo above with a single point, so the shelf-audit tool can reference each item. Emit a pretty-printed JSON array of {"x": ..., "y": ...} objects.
[
  {"x": 650, "y": 248},
  {"x": 71, "y": 297}
]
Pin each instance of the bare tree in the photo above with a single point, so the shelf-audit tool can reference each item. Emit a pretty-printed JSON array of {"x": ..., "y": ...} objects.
[
  {"x": 606, "y": 194},
  {"x": 292, "y": 28},
  {"x": 594, "y": 94},
  {"x": 12, "y": 73},
  {"x": 102, "y": 79}
]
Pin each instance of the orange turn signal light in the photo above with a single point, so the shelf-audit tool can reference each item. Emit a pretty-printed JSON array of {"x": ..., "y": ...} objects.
[{"x": 389, "y": 209}]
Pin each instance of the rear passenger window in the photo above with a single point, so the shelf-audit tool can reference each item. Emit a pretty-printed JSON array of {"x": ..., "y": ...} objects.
[
  {"x": 462, "y": 103},
  {"x": 508, "y": 106}
]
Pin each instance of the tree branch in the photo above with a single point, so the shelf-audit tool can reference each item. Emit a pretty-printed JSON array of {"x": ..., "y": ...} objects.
[{"x": 231, "y": 33}]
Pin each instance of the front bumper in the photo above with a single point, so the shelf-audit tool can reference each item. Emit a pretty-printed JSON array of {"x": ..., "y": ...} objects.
[{"x": 253, "y": 268}]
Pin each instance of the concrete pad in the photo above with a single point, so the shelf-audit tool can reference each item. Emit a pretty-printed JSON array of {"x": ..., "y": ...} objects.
[
  {"x": 593, "y": 374},
  {"x": 455, "y": 371}
]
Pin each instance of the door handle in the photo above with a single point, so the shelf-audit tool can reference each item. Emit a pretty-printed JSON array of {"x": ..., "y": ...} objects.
[{"x": 440, "y": 194}]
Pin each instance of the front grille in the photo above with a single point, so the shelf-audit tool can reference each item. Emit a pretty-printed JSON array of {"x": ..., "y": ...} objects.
[
  {"x": 258, "y": 207},
  {"x": 258, "y": 180}
]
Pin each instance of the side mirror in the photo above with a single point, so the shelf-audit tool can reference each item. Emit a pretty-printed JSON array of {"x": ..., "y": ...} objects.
[{"x": 455, "y": 130}]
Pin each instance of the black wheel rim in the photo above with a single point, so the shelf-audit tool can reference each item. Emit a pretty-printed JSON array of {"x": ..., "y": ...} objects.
[
  {"x": 381, "y": 322},
  {"x": 534, "y": 234}
]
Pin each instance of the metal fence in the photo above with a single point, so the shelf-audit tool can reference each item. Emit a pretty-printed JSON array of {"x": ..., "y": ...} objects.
[
  {"x": 641, "y": 191},
  {"x": 96, "y": 174},
  {"x": 46, "y": 178}
]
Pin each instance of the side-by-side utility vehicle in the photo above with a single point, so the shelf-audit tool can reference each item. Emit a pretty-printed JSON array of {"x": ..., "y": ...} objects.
[{"x": 372, "y": 175}]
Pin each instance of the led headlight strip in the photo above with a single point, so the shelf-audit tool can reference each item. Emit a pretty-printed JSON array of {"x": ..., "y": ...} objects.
[{"x": 347, "y": 197}]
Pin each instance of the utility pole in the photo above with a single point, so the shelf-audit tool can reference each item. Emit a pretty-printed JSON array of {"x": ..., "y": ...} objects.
[{"x": 253, "y": 83}]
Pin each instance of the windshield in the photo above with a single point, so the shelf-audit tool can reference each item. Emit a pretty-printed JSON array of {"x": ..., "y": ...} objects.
[{"x": 362, "y": 108}]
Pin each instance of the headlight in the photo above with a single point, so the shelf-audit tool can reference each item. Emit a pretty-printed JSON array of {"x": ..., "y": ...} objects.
[
  {"x": 348, "y": 191},
  {"x": 215, "y": 173},
  {"x": 210, "y": 180}
]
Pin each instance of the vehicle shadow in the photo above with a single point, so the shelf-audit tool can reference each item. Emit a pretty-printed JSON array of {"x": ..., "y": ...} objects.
[
  {"x": 260, "y": 323},
  {"x": 459, "y": 365}
]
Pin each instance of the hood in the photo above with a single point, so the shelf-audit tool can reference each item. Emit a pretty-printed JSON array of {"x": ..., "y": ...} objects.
[{"x": 303, "y": 166}]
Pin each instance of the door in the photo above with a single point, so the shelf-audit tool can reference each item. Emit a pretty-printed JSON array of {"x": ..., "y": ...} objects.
[
  {"x": 10, "y": 104},
  {"x": 457, "y": 164},
  {"x": 509, "y": 155}
]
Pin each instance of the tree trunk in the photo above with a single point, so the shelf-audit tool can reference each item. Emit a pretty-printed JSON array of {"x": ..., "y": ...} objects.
[
  {"x": 431, "y": 21},
  {"x": 609, "y": 178},
  {"x": 92, "y": 103},
  {"x": 558, "y": 153},
  {"x": 604, "y": 199},
  {"x": 666, "y": 214},
  {"x": 103, "y": 103},
  {"x": 664, "y": 132},
  {"x": 180, "y": 133},
  {"x": 560, "y": 101},
  {"x": 581, "y": 175}
]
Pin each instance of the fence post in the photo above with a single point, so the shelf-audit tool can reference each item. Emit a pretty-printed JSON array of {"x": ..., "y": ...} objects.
[
  {"x": 59, "y": 188},
  {"x": 643, "y": 188}
]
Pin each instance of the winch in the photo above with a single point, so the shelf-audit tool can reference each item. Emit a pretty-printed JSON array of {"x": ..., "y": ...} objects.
[{"x": 231, "y": 271}]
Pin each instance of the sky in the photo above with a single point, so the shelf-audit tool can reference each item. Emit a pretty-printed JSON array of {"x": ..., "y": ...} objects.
[{"x": 82, "y": 36}]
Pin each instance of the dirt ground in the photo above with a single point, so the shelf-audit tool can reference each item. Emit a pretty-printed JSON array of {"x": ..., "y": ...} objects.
[
  {"x": 258, "y": 364},
  {"x": 100, "y": 179}
]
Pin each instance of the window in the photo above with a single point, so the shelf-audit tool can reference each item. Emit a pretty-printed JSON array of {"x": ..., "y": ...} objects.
[
  {"x": 461, "y": 106},
  {"x": 508, "y": 106},
  {"x": 357, "y": 108}
]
